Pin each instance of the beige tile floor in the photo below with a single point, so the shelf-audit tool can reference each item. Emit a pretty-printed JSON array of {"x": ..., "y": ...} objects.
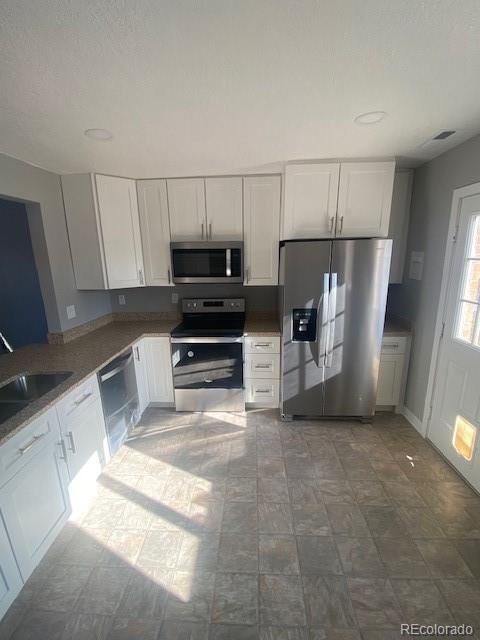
[{"x": 241, "y": 527}]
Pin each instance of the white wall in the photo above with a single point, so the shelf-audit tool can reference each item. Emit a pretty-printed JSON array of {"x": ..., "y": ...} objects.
[
  {"x": 418, "y": 300},
  {"x": 42, "y": 190}
]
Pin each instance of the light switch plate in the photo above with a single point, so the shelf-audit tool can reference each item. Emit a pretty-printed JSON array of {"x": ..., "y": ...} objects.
[
  {"x": 415, "y": 271},
  {"x": 71, "y": 313},
  {"x": 174, "y": 298},
  {"x": 121, "y": 299}
]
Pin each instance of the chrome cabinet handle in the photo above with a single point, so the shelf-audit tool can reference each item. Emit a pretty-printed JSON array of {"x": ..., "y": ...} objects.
[
  {"x": 140, "y": 276},
  {"x": 137, "y": 354},
  {"x": 169, "y": 276},
  {"x": 64, "y": 449},
  {"x": 84, "y": 397},
  {"x": 203, "y": 231},
  {"x": 73, "y": 448},
  {"x": 263, "y": 366},
  {"x": 263, "y": 344},
  {"x": 390, "y": 346},
  {"x": 332, "y": 221},
  {"x": 247, "y": 275},
  {"x": 262, "y": 391},
  {"x": 210, "y": 230},
  {"x": 341, "y": 225},
  {"x": 29, "y": 445}
]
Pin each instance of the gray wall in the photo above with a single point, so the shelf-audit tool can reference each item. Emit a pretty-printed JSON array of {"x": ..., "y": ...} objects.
[
  {"x": 160, "y": 298},
  {"x": 430, "y": 214},
  {"x": 41, "y": 189}
]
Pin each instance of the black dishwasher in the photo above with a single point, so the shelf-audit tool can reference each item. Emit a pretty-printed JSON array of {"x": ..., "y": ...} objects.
[{"x": 118, "y": 387}]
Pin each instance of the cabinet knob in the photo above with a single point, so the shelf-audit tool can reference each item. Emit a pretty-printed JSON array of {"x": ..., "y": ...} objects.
[{"x": 140, "y": 276}]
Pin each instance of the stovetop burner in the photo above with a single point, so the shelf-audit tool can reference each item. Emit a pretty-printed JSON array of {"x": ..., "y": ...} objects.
[{"x": 212, "y": 317}]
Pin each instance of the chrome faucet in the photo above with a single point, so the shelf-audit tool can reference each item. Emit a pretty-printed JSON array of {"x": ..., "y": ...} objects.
[{"x": 5, "y": 343}]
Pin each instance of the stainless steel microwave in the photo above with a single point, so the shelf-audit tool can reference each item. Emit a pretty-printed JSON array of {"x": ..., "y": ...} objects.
[{"x": 210, "y": 261}]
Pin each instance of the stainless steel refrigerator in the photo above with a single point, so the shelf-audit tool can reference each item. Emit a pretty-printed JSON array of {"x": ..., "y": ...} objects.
[{"x": 332, "y": 297}]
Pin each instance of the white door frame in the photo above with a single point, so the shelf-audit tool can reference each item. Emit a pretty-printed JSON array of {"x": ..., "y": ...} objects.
[{"x": 458, "y": 195}]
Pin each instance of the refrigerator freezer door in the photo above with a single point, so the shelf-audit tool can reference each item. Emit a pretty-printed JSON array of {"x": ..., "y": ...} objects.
[
  {"x": 359, "y": 283},
  {"x": 306, "y": 268}
]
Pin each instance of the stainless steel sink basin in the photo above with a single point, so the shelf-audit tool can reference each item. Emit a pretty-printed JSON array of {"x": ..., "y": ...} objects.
[{"x": 15, "y": 395}]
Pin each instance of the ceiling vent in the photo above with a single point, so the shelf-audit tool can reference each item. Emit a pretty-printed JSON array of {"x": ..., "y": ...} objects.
[{"x": 443, "y": 134}]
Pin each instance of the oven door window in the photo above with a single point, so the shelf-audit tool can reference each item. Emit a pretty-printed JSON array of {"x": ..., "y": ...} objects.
[
  {"x": 207, "y": 366},
  {"x": 205, "y": 263}
]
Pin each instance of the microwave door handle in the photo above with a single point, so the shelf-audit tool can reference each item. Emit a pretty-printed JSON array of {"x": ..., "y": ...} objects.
[{"x": 228, "y": 263}]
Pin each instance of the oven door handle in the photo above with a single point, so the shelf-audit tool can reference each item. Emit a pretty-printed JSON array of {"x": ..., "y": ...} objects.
[{"x": 207, "y": 340}]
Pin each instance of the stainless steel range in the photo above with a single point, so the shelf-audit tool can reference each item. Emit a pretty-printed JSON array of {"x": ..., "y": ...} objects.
[{"x": 207, "y": 355}]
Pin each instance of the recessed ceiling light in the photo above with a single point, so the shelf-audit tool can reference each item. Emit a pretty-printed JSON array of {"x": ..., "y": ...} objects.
[
  {"x": 98, "y": 134},
  {"x": 371, "y": 117}
]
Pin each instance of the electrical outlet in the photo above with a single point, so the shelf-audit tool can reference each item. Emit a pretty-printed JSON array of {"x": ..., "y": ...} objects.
[
  {"x": 174, "y": 298},
  {"x": 121, "y": 299},
  {"x": 71, "y": 313}
]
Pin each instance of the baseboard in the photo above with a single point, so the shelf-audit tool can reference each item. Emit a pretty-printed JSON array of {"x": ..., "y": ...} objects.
[{"x": 412, "y": 418}]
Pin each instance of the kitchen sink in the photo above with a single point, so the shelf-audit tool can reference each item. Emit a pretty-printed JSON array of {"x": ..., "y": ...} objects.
[{"x": 16, "y": 394}]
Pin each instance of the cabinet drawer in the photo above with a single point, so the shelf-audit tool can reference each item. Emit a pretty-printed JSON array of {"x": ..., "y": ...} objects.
[
  {"x": 78, "y": 400},
  {"x": 394, "y": 345},
  {"x": 262, "y": 366},
  {"x": 262, "y": 345},
  {"x": 15, "y": 453},
  {"x": 262, "y": 392}
]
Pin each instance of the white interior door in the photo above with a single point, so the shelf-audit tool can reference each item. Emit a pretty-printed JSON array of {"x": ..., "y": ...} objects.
[{"x": 455, "y": 421}]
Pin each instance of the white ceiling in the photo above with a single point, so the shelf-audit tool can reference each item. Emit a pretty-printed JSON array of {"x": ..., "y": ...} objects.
[{"x": 216, "y": 86}]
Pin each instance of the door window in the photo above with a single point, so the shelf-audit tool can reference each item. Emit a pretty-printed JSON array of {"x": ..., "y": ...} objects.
[{"x": 468, "y": 314}]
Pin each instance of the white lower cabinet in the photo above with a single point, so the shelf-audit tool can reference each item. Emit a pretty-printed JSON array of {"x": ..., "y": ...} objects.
[
  {"x": 10, "y": 578},
  {"x": 141, "y": 374},
  {"x": 34, "y": 503},
  {"x": 84, "y": 436},
  {"x": 392, "y": 371},
  {"x": 159, "y": 370},
  {"x": 262, "y": 371}
]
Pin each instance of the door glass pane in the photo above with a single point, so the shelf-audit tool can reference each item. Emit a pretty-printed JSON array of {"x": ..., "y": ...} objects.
[
  {"x": 464, "y": 438},
  {"x": 466, "y": 322},
  {"x": 474, "y": 248},
  {"x": 472, "y": 281}
]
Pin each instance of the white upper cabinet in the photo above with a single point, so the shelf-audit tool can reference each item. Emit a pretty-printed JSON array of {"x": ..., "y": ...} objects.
[
  {"x": 155, "y": 227},
  {"x": 223, "y": 197},
  {"x": 399, "y": 219},
  {"x": 310, "y": 200},
  {"x": 186, "y": 203},
  {"x": 262, "y": 229},
  {"x": 117, "y": 205},
  {"x": 104, "y": 231},
  {"x": 364, "y": 199}
]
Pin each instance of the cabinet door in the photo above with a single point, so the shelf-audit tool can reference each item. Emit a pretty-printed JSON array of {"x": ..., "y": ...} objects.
[
  {"x": 310, "y": 200},
  {"x": 155, "y": 228},
  {"x": 389, "y": 380},
  {"x": 223, "y": 197},
  {"x": 399, "y": 218},
  {"x": 262, "y": 229},
  {"x": 159, "y": 370},
  {"x": 364, "y": 199},
  {"x": 86, "y": 440},
  {"x": 118, "y": 210},
  {"x": 186, "y": 206},
  {"x": 139, "y": 353},
  {"x": 10, "y": 578},
  {"x": 34, "y": 505}
]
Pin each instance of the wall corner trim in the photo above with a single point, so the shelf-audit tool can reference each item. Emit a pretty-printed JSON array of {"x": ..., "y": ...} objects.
[{"x": 413, "y": 420}]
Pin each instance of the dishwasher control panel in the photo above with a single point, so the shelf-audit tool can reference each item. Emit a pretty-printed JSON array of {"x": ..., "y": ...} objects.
[{"x": 304, "y": 327}]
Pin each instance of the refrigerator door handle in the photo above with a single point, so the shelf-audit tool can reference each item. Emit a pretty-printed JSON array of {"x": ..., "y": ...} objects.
[
  {"x": 322, "y": 316},
  {"x": 332, "y": 311}
]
